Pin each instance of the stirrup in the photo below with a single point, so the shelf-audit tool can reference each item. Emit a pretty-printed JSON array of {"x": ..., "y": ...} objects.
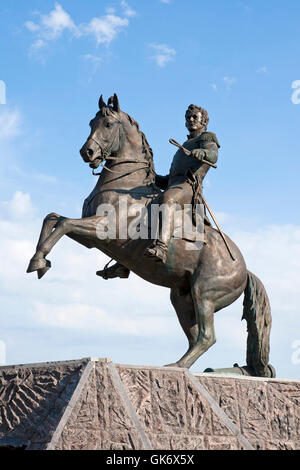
[{"x": 117, "y": 270}]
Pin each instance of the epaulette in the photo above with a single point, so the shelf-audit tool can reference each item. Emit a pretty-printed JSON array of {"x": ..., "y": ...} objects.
[{"x": 209, "y": 137}]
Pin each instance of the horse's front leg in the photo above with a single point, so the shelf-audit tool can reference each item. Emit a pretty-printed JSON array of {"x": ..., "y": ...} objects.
[
  {"x": 53, "y": 231},
  {"x": 38, "y": 262}
]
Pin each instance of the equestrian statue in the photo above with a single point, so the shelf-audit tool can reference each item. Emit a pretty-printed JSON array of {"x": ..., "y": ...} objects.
[{"x": 202, "y": 279}]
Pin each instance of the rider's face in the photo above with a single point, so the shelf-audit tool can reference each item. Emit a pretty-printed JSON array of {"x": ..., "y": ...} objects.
[{"x": 193, "y": 120}]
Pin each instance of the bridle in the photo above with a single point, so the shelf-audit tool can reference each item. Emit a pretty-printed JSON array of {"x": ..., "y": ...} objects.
[{"x": 106, "y": 152}]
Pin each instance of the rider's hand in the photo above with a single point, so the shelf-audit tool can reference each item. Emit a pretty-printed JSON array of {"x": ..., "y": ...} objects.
[{"x": 199, "y": 154}]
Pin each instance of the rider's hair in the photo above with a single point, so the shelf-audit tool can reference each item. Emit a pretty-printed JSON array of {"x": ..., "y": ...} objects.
[{"x": 205, "y": 118}]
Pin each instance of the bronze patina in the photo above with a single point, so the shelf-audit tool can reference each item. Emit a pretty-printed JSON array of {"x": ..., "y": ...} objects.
[{"x": 202, "y": 281}]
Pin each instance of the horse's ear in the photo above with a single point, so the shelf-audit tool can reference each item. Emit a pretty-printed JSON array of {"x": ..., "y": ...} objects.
[
  {"x": 101, "y": 102},
  {"x": 114, "y": 100},
  {"x": 116, "y": 103}
]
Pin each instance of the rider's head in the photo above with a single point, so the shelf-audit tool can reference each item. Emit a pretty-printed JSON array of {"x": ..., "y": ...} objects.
[{"x": 196, "y": 119}]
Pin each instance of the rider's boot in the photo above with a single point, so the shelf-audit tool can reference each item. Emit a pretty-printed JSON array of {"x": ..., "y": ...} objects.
[
  {"x": 159, "y": 248},
  {"x": 117, "y": 270}
]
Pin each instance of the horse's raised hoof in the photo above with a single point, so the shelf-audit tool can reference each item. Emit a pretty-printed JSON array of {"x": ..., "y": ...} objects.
[
  {"x": 38, "y": 264},
  {"x": 42, "y": 272}
]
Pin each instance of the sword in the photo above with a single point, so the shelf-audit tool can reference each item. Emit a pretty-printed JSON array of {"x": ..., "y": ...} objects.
[{"x": 218, "y": 226}]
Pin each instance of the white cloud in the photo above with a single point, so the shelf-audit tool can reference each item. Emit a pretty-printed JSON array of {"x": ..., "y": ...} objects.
[
  {"x": 50, "y": 27},
  {"x": 32, "y": 26},
  {"x": 56, "y": 22},
  {"x": 105, "y": 28},
  {"x": 229, "y": 81},
  {"x": 92, "y": 58},
  {"x": 19, "y": 208},
  {"x": 263, "y": 69},
  {"x": 36, "y": 176},
  {"x": 10, "y": 123},
  {"x": 128, "y": 11},
  {"x": 95, "y": 62},
  {"x": 166, "y": 1},
  {"x": 214, "y": 86},
  {"x": 163, "y": 55}
]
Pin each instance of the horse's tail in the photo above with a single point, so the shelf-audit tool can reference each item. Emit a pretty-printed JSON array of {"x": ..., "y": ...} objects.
[{"x": 257, "y": 312}]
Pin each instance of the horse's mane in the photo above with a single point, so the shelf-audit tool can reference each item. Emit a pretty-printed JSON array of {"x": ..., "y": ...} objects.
[{"x": 146, "y": 149}]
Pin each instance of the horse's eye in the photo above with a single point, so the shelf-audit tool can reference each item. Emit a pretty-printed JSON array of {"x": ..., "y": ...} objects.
[{"x": 108, "y": 124}]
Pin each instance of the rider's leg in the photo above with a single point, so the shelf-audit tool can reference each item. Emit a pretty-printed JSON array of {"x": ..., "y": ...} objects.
[{"x": 171, "y": 199}]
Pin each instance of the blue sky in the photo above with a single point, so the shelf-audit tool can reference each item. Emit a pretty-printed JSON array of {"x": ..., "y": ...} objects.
[{"x": 237, "y": 59}]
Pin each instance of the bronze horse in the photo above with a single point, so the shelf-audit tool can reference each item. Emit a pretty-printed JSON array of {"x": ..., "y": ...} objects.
[{"x": 202, "y": 282}]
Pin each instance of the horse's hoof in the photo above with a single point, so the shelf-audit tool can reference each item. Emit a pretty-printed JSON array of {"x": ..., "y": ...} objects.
[
  {"x": 172, "y": 365},
  {"x": 38, "y": 264},
  {"x": 42, "y": 272}
]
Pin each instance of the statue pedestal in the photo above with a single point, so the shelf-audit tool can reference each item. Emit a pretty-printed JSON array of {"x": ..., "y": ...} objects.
[{"x": 96, "y": 404}]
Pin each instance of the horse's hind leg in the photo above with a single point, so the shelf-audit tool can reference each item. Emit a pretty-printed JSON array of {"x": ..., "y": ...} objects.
[
  {"x": 184, "y": 307},
  {"x": 202, "y": 332}
]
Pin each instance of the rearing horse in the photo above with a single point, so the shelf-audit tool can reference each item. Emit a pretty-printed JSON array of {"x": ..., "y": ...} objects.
[{"x": 202, "y": 282}]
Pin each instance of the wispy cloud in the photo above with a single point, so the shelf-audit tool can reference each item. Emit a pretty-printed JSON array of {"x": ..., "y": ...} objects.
[
  {"x": 214, "y": 86},
  {"x": 53, "y": 25},
  {"x": 105, "y": 28},
  {"x": 94, "y": 64},
  {"x": 262, "y": 69},
  {"x": 163, "y": 54},
  {"x": 166, "y": 1},
  {"x": 229, "y": 82},
  {"x": 93, "y": 58},
  {"x": 128, "y": 11},
  {"x": 10, "y": 123},
  {"x": 41, "y": 177}
]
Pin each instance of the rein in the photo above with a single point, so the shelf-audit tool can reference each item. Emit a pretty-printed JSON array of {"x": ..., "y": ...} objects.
[{"x": 119, "y": 162}]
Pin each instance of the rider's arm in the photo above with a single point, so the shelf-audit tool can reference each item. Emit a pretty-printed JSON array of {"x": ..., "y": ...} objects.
[
  {"x": 208, "y": 148},
  {"x": 162, "y": 181}
]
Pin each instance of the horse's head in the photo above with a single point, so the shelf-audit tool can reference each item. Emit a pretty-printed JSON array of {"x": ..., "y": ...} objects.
[
  {"x": 107, "y": 133},
  {"x": 117, "y": 136}
]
